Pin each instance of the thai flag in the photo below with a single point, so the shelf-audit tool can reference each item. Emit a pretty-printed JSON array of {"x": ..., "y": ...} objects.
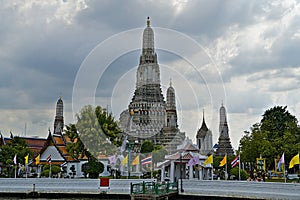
[
  {"x": 147, "y": 160},
  {"x": 48, "y": 159},
  {"x": 235, "y": 161}
]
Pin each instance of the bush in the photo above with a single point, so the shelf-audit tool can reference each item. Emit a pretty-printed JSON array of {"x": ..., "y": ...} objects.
[
  {"x": 45, "y": 173},
  {"x": 54, "y": 170},
  {"x": 235, "y": 171},
  {"x": 93, "y": 168}
]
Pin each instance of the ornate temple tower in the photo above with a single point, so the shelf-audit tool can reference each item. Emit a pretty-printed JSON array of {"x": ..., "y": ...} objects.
[
  {"x": 204, "y": 139},
  {"x": 147, "y": 108},
  {"x": 224, "y": 145},
  {"x": 148, "y": 116},
  {"x": 59, "y": 117},
  {"x": 171, "y": 107}
]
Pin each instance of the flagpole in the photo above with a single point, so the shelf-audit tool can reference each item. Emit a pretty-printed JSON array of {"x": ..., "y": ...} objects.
[
  {"x": 239, "y": 166},
  {"x": 151, "y": 166},
  {"x": 226, "y": 167},
  {"x": 15, "y": 171},
  {"x": 26, "y": 170},
  {"x": 212, "y": 171},
  {"x": 298, "y": 164},
  {"x": 284, "y": 172},
  {"x": 50, "y": 171}
]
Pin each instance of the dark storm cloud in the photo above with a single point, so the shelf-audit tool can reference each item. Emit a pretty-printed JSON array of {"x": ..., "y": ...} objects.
[{"x": 44, "y": 43}]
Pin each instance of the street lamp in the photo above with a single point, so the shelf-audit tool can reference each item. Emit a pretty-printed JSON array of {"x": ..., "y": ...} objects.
[{"x": 181, "y": 187}]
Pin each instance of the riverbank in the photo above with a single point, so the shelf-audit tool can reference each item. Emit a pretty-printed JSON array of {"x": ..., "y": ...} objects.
[{"x": 65, "y": 196}]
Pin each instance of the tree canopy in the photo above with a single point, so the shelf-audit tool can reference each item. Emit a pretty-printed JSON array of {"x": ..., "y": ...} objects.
[
  {"x": 98, "y": 130},
  {"x": 76, "y": 147},
  {"x": 277, "y": 133},
  {"x": 93, "y": 168},
  {"x": 147, "y": 147},
  {"x": 17, "y": 146}
]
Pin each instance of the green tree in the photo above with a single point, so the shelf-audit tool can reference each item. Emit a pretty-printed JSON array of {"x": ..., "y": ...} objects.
[
  {"x": 277, "y": 132},
  {"x": 93, "y": 168},
  {"x": 17, "y": 146},
  {"x": 235, "y": 171},
  {"x": 109, "y": 126},
  {"x": 98, "y": 131},
  {"x": 147, "y": 147},
  {"x": 158, "y": 154},
  {"x": 75, "y": 147}
]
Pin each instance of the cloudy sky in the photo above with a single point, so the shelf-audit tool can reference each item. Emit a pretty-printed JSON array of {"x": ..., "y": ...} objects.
[{"x": 241, "y": 53}]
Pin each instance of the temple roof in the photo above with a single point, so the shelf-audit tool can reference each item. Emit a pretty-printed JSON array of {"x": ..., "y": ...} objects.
[{"x": 203, "y": 130}]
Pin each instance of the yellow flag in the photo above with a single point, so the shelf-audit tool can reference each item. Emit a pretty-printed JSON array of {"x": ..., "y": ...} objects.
[
  {"x": 37, "y": 160},
  {"x": 294, "y": 161},
  {"x": 223, "y": 162},
  {"x": 136, "y": 161},
  {"x": 26, "y": 159},
  {"x": 209, "y": 160},
  {"x": 125, "y": 160}
]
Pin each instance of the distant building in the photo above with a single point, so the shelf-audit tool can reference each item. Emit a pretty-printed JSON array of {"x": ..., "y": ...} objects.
[
  {"x": 56, "y": 147},
  {"x": 224, "y": 144},
  {"x": 204, "y": 139},
  {"x": 35, "y": 144},
  {"x": 180, "y": 160},
  {"x": 148, "y": 116}
]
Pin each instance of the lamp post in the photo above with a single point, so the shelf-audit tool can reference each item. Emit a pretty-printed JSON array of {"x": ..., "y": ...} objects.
[
  {"x": 181, "y": 187},
  {"x": 128, "y": 162}
]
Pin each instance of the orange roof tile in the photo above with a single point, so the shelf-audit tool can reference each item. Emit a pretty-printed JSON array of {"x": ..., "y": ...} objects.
[{"x": 58, "y": 140}]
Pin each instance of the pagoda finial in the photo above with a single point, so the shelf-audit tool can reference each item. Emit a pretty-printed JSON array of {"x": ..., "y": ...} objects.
[
  {"x": 148, "y": 21},
  {"x": 170, "y": 82},
  {"x": 203, "y": 115}
]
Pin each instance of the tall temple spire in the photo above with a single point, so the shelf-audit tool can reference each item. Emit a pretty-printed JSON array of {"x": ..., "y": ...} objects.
[
  {"x": 223, "y": 121},
  {"x": 224, "y": 145},
  {"x": 148, "y": 38},
  {"x": 59, "y": 117},
  {"x": 149, "y": 116},
  {"x": 147, "y": 108},
  {"x": 171, "y": 107}
]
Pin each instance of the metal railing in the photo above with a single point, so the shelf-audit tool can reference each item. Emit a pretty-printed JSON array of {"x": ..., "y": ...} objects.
[{"x": 153, "y": 188}]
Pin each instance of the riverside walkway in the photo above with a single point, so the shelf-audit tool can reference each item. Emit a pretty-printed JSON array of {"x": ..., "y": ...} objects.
[
  {"x": 241, "y": 189},
  {"x": 121, "y": 187}
]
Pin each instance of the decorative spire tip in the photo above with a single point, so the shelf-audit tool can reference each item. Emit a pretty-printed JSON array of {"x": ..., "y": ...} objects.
[{"x": 148, "y": 21}]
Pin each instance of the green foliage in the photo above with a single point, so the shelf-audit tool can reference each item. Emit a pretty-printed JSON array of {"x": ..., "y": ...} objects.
[
  {"x": 276, "y": 133},
  {"x": 235, "y": 171},
  {"x": 109, "y": 126},
  {"x": 147, "y": 147},
  {"x": 45, "y": 173},
  {"x": 98, "y": 131},
  {"x": 93, "y": 168},
  {"x": 158, "y": 154},
  {"x": 54, "y": 170},
  {"x": 76, "y": 147},
  {"x": 16, "y": 146}
]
